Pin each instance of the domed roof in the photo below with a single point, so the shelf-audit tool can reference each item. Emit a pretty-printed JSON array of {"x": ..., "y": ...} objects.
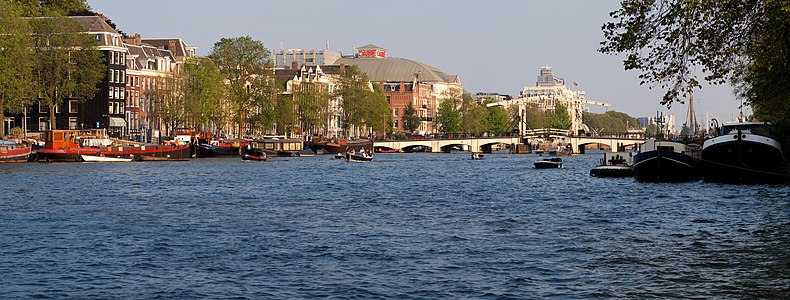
[{"x": 398, "y": 69}]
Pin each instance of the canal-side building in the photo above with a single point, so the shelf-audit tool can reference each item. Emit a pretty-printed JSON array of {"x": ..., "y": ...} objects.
[
  {"x": 106, "y": 109},
  {"x": 405, "y": 82}
]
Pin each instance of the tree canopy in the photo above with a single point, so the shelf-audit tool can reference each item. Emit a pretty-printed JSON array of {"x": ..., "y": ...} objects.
[
  {"x": 16, "y": 68},
  {"x": 673, "y": 42}
]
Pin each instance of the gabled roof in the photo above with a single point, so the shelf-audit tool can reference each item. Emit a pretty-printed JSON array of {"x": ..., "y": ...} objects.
[
  {"x": 94, "y": 24},
  {"x": 398, "y": 69},
  {"x": 180, "y": 50}
]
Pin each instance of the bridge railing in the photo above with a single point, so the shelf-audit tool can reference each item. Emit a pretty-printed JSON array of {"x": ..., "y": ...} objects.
[{"x": 449, "y": 136}]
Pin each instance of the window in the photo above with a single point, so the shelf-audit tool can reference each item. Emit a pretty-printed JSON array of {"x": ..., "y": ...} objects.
[
  {"x": 123, "y": 93},
  {"x": 396, "y": 112},
  {"x": 395, "y": 124},
  {"x": 42, "y": 124},
  {"x": 73, "y": 106},
  {"x": 42, "y": 107},
  {"x": 388, "y": 98},
  {"x": 111, "y": 75},
  {"x": 115, "y": 93},
  {"x": 72, "y": 123},
  {"x": 123, "y": 75},
  {"x": 111, "y": 105},
  {"x": 110, "y": 88},
  {"x": 121, "y": 107}
]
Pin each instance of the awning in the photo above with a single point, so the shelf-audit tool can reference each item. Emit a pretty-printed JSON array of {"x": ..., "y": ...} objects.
[{"x": 117, "y": 122}]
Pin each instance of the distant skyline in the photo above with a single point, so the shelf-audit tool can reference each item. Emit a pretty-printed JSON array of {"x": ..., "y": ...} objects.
[{"x": 495, "y": 46}]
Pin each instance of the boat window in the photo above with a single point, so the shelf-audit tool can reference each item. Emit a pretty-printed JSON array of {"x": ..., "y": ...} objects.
[{"x": 666, "y": 148}]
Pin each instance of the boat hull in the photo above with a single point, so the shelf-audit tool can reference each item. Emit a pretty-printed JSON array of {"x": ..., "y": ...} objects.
[
  {"x": 14, "y": 154},
  {"x": 208, "y": 150},
  {"x": 335, "y": 148},
  {"x": 666, "y": 166},
  {"x": 251, "y": 157},
  {"x": 612, "y": 171},
  {"x": 551, "y": 163},
  {"x": 154, "y": 151},
  {"x": 91, "y": 158},
  {"x": 358, "y": 158},
  {"x": 744, "y": 159}
]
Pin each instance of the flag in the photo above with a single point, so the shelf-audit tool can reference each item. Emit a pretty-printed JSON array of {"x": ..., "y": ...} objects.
[{"x": 575, "y": 84}]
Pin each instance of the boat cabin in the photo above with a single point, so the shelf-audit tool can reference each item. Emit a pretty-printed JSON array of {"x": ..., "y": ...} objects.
[
  {"x": 189, "y": 135},
  {"x": 759, "y": 128},
  {"x": 276, "y": 144},
  {"x": 66, "y": 139}
]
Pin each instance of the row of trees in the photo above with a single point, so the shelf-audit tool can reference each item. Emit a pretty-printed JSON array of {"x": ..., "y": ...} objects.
[
  {"x": 459, "y": 112},
  {"x": 236, "y": 85},
  {"x": 610, "y": 122},
  {"x": 47, "y": 58}
]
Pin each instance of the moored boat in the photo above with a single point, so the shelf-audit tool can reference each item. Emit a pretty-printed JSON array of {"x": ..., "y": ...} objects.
[
  {"x": 744, "y": 153},
  {"x": 615, "y": 164},
  {"x": 68, "y": 145},
  {"x": 251, "y": 157},
  {"x": 275, "y": 147},
  {"x": 11, "y": 152},
  {"x": 220, "y": 148},
  {"x": 326, "y": 146},
  {"x": 548, "y": 163},
  {"x": 476, "y": 156},
  {"x": 666, "y": 161}
]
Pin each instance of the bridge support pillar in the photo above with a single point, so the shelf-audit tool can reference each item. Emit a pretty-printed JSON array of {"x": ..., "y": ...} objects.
[{"x": 581, "y": 149}]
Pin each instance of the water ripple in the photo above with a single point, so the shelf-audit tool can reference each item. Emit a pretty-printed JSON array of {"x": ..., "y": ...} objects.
[{"x": 410, "y": 226}]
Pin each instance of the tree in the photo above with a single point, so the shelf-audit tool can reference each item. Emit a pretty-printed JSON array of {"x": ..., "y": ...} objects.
[
  {"x": 241, "y": 60},
  {"x": 39, "y": 8},
  {"x": 67, "y": 64},
  {"x": 311, "y": 103},
  {"x": 377, "y": 114},
  {"x": 266, "y": 95},
  {"x": 411, "y": 121},
  {"x": 203, "y": 91},
  {"x": 742, "y": 41},
  {"x": 170, "y": 91},
  {"x": 354, "y": 88},
  {"x": 16, "y": 68},
  {"x": 498, "y": 121},
  {"x": 449, "y": 119},
  {"x": 559, "y": 117}
]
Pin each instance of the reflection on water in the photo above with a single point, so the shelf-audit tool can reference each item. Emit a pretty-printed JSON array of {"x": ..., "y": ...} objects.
[{"x": 403, "y": 226}]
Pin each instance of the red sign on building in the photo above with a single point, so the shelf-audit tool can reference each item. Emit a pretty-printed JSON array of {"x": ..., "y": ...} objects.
[{"x": 372, "y": 53}]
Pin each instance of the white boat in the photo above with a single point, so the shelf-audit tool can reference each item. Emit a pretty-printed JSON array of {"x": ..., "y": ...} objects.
[
  {"x": 94, "y": 158},
  {"x": 615, "y": 164}
]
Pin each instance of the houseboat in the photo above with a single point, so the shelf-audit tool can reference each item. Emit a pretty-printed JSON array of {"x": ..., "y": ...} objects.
[
  {"x": 615, "y": 164},
  {"x": 277, "y": 147},
  {"x": 69, "y": 145},
  {"x": 744, "y": 153},
  {"x": 666, "y": 161},
  {"x": 11, "y": 152}
]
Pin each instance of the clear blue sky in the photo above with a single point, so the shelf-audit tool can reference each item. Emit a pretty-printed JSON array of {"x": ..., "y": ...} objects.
[{"x": 495, "y": 46}]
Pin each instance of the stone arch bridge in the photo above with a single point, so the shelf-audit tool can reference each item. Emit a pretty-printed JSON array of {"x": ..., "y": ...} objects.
[{"x": 439, "y": 145}]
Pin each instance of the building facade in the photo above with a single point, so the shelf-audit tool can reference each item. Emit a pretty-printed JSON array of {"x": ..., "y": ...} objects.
[
  {"x": 296, "y": 58},
  {"x": 406, "y": 82}
]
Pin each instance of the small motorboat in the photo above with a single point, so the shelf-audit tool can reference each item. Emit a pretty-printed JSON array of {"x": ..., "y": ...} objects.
[
  {"x": 549, "y": 163},
  {"x": 359, "y": 157},
  {"x": 340, "y": 156},
  {"x": 96, "y": 158},
  {"x": 615, "y": 164},
  {"x": 254, "y": 157},
  {"x": 476, "y": 156}
]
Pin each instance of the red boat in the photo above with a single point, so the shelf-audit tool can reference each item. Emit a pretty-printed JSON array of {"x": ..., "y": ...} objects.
[
  {"x": 251, "y": 157},
  {"x": 68, "y": 145},
  {"x": 13, "y": 152}
]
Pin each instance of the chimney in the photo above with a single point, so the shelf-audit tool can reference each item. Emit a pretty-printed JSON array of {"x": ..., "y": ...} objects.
[
  {"x": 135, "y": 40},
  {"x": 342, "y": 69},
  {"x": 294, "y": 65},
  {"x": 172, "y": 47}
]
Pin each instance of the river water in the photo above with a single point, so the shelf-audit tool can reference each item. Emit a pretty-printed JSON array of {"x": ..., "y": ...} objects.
[{"x": 404, "y": 226}]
